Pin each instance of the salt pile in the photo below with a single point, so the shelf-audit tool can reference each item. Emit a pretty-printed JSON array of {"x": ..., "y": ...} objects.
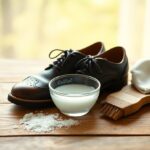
[{"x": 41, "y": 122}]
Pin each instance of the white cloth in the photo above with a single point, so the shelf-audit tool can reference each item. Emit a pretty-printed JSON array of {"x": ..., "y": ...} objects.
[{"x": 141, "y": 76}]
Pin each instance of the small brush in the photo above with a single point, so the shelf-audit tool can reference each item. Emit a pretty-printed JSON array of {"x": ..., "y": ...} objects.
[{"x": 123, "y": 103}]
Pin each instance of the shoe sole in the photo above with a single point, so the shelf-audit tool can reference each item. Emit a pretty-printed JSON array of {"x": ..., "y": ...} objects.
[{"x": 28, "y": 102}]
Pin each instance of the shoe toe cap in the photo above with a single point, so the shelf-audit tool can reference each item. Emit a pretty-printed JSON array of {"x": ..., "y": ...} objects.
[{"x": 29, "y": 89}]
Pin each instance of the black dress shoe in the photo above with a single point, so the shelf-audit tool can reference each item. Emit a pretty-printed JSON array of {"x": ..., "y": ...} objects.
[
  {"x": 110, "y": 68},
  {"x": 33, "y": 91}
]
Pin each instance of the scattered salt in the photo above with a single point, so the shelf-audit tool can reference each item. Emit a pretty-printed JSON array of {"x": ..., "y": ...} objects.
[
  {"x": 41, "y": 122},
  {"x": 15, "y": 127}
]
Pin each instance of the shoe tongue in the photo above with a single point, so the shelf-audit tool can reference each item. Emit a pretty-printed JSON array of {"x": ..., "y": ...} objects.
[
  {"x": 79, "y": 53},
  {"x": 101, "y": 59}
]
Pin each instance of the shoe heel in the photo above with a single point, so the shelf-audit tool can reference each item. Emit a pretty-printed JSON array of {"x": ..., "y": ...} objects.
[
  {"x": 116, "y": 85},
  {"x": 120, "y": 83}
]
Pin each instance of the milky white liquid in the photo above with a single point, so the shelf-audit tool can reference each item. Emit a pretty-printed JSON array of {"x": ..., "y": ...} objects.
[{"x": 73, "y": 104}]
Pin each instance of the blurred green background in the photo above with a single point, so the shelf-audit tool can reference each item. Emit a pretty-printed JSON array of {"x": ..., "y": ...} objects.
[{"x": 31, "y": 28}]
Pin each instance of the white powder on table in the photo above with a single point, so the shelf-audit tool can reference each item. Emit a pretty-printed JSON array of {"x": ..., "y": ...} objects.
[{"x": 41, "y": 122}]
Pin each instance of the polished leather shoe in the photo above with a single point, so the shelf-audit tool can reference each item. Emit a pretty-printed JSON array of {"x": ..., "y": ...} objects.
[
  {"x": 110, "y": 68},
  {"x": 33, "y": 91}
]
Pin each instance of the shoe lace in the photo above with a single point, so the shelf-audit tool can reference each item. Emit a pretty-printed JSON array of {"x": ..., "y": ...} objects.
[
  {"x": 88, "y": 65},
  {"x": 59, "y": 62}
]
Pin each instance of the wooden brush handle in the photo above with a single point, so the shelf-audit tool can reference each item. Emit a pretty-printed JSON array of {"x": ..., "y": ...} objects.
[{"x": 128, "y": 99}]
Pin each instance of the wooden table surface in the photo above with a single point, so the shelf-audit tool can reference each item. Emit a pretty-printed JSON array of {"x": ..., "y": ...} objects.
[{"x": 94, "y": 132}]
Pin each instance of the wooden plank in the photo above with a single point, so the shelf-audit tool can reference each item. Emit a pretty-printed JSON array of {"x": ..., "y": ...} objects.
[
  {"x": 91, "y": 124},
  {"x": 76, "y": 142},
  {"x": 16, "y": 70},
  {"x": 5, "y": 88}
]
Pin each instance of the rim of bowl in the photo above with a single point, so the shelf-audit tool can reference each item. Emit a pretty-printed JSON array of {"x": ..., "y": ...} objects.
[{"x": 75, "y": 95}]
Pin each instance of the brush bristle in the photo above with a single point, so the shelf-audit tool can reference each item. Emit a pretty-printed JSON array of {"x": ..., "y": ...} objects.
[{"x": 111, "y": 111}]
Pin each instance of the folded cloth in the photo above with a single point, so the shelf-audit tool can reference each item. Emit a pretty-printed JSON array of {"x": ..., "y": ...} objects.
[{"x": 141, "y": 76}]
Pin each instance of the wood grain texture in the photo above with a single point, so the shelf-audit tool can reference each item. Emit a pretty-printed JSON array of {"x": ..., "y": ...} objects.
[
  {"x": 5, "y": 88},
  {"x": 91, "y": 124},
  {"x": 12, "y": 71},
  {"x": 16, "y": 70},
  {"x": 75, "y": 142}
]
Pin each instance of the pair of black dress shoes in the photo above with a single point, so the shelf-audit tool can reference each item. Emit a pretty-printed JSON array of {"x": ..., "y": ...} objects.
[{"x": 109, "y": 67}]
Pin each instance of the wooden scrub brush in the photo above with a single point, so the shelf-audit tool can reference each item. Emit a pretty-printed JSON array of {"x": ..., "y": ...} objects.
[{"x": 124, "y": 102}]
